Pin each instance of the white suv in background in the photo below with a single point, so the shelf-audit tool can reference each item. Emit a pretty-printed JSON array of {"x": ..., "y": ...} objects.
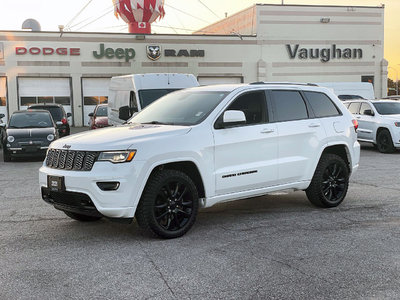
[
  {"x": 378, "y": 122},
  {"x": 202, "y": 146}
]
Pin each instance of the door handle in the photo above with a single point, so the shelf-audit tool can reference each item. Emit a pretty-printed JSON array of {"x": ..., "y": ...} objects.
[
  {"x": 267, "y": 130},
  {"x": 358, "y": 117},
  {"x": 314, "y": 125}
]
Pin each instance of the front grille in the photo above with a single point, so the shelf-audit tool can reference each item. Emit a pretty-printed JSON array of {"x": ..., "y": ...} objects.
[{"x": 71, "y": 160}]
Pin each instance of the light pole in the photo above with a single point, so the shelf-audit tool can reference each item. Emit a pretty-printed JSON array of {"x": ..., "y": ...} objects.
[{"x": 397, "y": 79}]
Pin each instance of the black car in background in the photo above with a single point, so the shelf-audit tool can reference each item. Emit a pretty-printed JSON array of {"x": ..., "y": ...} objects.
[
  {"x": 2, "y": 127},
  {"x": 28, "y": 133},
  {"x": 58, "y": 113}
]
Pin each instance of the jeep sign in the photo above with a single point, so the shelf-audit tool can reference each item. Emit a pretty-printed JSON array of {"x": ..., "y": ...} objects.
[{"x": 127, "y": 53}]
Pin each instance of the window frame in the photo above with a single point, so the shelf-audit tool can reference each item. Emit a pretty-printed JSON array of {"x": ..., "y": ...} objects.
[
  {"x": 358, "y": 110},
  {"x": 340, "y": 113},
  {"x": 310, "y": 113},
  {"x": 266, "y": 114},
  {"x": 370, "y": 107}
]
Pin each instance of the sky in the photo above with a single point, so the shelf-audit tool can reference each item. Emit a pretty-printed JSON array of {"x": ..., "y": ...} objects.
[{"x": 182, "y": 16}]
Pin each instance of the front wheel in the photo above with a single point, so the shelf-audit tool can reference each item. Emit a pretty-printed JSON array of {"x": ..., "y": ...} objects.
[
  {"x": 169, "y": 204},
  {"x": 384, "y": 142},
  {"x": 81, "y": 218},
  {"x": 330, "y": 182}
]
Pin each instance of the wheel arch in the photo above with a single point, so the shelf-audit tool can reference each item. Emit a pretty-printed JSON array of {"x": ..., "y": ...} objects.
[
  {"x": 187, "y": 167},
  {"x": 381, "y": 128},
  {"x": 341, "y": 150}
]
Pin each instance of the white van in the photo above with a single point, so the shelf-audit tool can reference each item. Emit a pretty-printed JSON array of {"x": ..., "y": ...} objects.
[
  {"x": 350, "y": 90},
  {"x": 131, "y": 93}
]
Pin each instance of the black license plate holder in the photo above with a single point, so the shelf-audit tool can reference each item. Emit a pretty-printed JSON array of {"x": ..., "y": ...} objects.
[{"x": 56, "y": 183}]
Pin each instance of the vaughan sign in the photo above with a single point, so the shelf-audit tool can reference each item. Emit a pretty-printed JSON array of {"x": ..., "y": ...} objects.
[{"x": 324, "y": 54}]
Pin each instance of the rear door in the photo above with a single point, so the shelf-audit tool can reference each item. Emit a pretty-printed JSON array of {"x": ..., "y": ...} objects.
[
  {"x": 366, "y": 123},
  {"x": 299, "y": 135},
  {"x": 246, "y": 154}
]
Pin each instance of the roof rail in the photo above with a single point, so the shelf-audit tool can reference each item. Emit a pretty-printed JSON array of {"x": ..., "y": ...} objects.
[{"x": 284, "y": 83}]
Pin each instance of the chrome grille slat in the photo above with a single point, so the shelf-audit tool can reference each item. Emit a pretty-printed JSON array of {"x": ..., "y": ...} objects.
[{"x": 71, "y": 160}]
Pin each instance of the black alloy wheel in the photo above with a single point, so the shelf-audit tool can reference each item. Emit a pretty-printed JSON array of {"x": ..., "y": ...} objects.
[
  {"x": 330, "y": 182},
  {"x": 169, "y": 204},
  {"x": 334, "y": 182},
  {"x": 384, "y": 142}
]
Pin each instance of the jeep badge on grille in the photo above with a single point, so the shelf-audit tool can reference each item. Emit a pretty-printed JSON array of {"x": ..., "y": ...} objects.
[{"x": 66, "y": 146}]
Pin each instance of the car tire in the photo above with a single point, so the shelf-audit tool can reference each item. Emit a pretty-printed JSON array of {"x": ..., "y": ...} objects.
[
  {"x": 169, "y": 204},
  {"x": 81, "y": 218},
  {"x": 330, "y": 182},
  {"x": 384, "y": 141},
  {"x": 6, "y": 155}
]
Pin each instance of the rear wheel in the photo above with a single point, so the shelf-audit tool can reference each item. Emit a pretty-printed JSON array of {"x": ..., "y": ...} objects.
[
  {"x": 6, "y": 155},
  {"x": 329, "y": 184},
  {"x": 384, "y": 142},
  {"x": 82, "y": 218},
  {"x": 169, "y": 204}
]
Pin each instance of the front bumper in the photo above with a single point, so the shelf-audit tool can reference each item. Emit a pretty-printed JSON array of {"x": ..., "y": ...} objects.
[
  {"x": 120, "y": 203},
  {"x": 27, "y": 150}
]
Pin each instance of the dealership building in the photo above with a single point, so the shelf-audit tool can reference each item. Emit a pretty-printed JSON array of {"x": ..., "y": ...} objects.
[{"x": 299, "y": 43}]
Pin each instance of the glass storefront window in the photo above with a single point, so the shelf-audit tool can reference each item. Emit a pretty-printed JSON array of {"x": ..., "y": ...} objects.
[
  {"x": 62, "y": 100},
  {"x": 25, "y": 101},
  {"x": 45, "y": 99}
]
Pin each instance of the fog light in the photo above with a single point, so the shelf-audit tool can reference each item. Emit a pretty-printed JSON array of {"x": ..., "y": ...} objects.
[{"x": 108, "y": 186}]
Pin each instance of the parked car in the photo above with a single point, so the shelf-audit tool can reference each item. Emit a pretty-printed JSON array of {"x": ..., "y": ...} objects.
[
  {"x": 132, "y": 93},
  {"x": 349, "y": 97},
  {"x": 99, "y": 117},
  {"x": 378, "y": 122},
  {"x": 59, "y": 115},
  {"x": 28, "y": 133},
  {"x": 202, "y": 146},
  {"x": 355, "y": 90}
]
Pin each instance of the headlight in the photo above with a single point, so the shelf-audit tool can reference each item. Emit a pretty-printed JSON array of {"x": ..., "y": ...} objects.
[
  {"x": 10, "y": 138},
  {"x": 50, "y": 137},
  {"x": 117, "y": 156}
]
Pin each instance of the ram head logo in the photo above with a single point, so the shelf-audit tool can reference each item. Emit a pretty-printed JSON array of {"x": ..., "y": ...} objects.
[{"x": 153, "y": 52}]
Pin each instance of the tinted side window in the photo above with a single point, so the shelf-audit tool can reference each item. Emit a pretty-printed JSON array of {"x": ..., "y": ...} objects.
[
  {"x": 321, "y": 104},
  {"x": 288, "y": 105},
  {"x": 364, "y": 107},
  {"x": 354, "y": 107},
  {"x": 253, "y": 105}
]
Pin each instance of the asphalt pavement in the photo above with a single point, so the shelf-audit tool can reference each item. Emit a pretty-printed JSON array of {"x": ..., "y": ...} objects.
[{"x": 272, "y": 247}]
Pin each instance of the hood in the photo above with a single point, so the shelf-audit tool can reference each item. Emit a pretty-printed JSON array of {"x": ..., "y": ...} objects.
[
  {"x": 117, "y": 137},
  {"x": 101, "y": 120},
  {"x": 30, "y": 132},
  {"x": 392, "y": 117}
]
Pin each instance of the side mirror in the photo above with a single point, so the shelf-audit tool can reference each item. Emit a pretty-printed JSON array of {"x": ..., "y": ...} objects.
[
  {"x": 91, "y": 114},
  {"x": 124, "y": 113},
  {"x": 234, "y": 117},
  {"x": 2, "y": 116},
  {"x": 69, "y": 115},
  {"x": 369, "y": 112}
]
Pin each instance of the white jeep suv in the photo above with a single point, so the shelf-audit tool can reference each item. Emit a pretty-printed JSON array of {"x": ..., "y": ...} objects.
[
  {"x": 202, "y": 146},
  {"x": 378, "y": 121}
]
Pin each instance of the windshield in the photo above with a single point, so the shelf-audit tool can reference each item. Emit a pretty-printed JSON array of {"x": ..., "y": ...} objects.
[
  {"x": 30, "y": 120},
  {"x": 56, "y": 112},
  {"x": 101, "y": 111},
  {"x": 184, "y": 107},
  {"x": 147, "y": 97},
  {"x": 388, "y": 108}
]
